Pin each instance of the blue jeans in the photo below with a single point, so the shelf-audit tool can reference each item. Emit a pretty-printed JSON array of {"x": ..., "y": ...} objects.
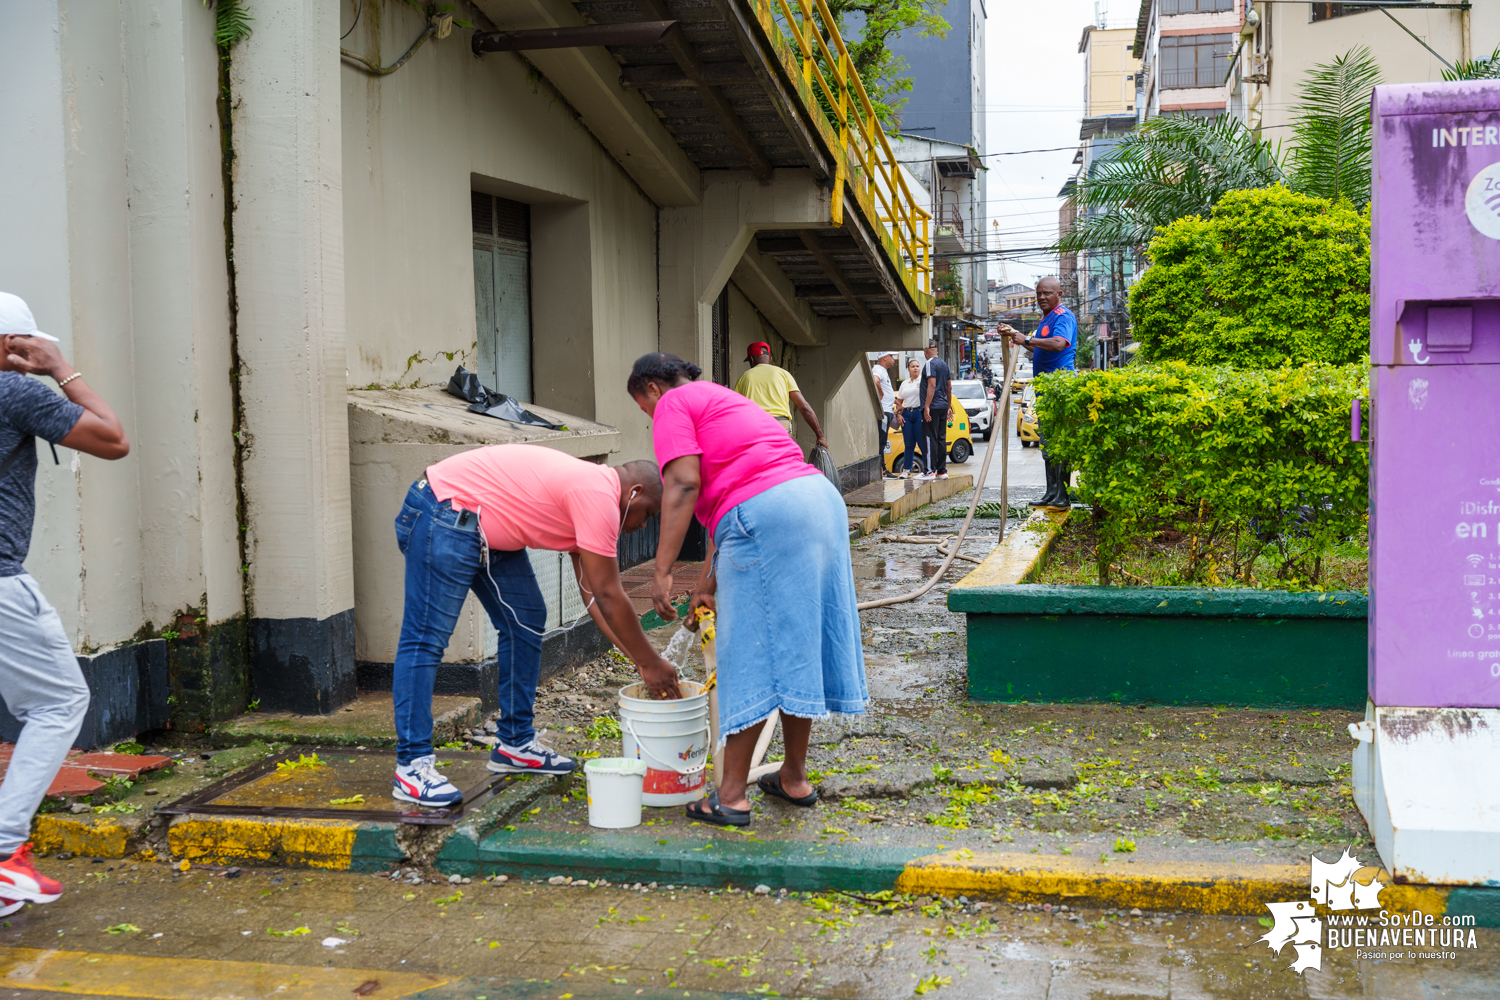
[
  {"x": 911, "y": 433},
  {"x": 444, "y": 561}
]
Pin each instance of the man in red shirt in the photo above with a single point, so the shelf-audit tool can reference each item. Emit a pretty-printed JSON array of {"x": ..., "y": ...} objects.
[{"x": 466, "y": 526}]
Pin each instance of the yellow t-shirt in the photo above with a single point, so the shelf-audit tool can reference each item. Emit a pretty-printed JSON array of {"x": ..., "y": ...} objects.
[{"x": 768, "y": 387}]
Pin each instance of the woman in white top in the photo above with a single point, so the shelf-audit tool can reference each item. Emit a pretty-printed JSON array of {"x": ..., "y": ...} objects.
[{"x": 909, "y": 412}]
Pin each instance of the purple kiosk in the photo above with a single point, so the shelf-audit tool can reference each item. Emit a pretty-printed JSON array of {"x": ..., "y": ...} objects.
[{"x": 1427, "y": 767}]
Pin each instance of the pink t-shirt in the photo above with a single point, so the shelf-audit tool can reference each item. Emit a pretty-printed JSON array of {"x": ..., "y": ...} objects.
[
  {"x": 744, "y": 450},
  {"x": 532, "y": 497}
]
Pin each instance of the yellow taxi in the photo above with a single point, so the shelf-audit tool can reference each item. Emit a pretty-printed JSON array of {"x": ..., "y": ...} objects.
[
  {"x": 960, "y": 443},
  {"x": 1026, "y": 424}
]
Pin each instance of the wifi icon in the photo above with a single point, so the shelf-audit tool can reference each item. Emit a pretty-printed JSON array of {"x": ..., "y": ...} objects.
[{"x": 1475, "y": 560}]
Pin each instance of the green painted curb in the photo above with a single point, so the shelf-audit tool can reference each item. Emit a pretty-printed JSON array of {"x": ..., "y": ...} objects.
[
  {"x": 1162, "y": 602},
  {"x": 375, "y": 848},
  {"x": 1480, "y": 902},
  {"x": 708, "y": 860}
]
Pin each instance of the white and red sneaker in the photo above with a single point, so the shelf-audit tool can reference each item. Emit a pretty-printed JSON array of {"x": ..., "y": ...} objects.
[
  {"x": 421, "y": 782},
  {"x": 533, "y": 758},
  {"x": 20, "y": 881},
  {"x": 9, "y": 906}
]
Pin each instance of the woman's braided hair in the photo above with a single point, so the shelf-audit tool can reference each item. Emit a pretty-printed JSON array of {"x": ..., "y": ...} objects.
[{"x": 664, "y": 369}]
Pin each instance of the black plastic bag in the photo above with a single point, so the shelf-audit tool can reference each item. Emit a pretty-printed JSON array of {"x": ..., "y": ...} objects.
[
  {"x": 486, "y": 401},
  {"x": 820, "y": 459}
]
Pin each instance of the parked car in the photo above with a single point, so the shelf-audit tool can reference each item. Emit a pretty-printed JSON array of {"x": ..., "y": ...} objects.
[
  {"x": 960, "y": 443},
  {"x": 1026, "y": 424},
  {"x": 976, "y": 402}
]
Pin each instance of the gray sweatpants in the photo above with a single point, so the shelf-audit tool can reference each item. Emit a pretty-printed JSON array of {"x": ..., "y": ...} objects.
[{"x": 44, "y": 689}]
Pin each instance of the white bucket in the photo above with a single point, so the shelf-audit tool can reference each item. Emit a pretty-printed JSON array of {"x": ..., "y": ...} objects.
[
  {"x": 614, "y": 791},
  {"x": 671, "y": 738}
]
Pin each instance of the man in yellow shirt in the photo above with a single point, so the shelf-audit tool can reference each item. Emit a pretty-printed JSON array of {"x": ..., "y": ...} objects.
[{"x": 775, "y": 391}]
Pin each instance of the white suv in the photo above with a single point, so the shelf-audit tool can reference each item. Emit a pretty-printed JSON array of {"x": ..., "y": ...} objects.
[{"x": 971, "y": 394}]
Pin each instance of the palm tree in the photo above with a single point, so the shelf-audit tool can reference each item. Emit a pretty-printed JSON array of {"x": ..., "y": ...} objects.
[
  {"x": 1169, "y": 167},
  {"x": 1176, "y": 165},
  {"x": 1478, "y": 69},
  {"x": 1333, "y": 130}
]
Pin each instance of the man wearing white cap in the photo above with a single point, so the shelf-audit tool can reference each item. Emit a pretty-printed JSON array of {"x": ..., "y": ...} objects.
[{"x": 39, "y": 675}]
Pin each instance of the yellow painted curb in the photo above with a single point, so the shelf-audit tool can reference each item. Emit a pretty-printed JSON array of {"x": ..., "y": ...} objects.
[
  {"x": 1189, "y": 887},
  {"x": 314, "y": 843},
  {"x": 1019, "y": 557},
  {"x": 91, "y": 837},
  {"x": 871, "y": 522},
  {"x": 112, "y": 975}
]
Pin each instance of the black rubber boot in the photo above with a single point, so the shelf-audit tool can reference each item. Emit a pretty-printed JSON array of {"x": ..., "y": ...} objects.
[
  {"x": 1061, "y": 498},
  {"x": 1045, "y": 500}
]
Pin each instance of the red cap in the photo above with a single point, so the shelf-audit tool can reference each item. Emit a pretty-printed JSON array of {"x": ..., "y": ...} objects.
[{"x": 759, "y": 347}]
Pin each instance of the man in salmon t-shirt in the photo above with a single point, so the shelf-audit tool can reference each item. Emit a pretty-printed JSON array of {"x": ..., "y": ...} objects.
[{"x": 465, "y": 526}]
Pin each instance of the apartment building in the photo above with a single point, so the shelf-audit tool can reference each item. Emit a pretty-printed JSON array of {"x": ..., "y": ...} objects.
[
  {"x": 1280, "y": 42},
  {"x": 1184, "y": 47}
]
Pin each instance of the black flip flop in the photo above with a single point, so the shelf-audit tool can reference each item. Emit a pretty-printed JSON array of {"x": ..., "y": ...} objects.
[
  {"x": 771, "y": 785},
  {"x": 717, "y": 814}
]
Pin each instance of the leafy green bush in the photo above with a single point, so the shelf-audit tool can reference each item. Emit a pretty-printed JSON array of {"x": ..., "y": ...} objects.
[
  {"x": 1271, "y": 278},
  {"x": 1256, "y": 465}
]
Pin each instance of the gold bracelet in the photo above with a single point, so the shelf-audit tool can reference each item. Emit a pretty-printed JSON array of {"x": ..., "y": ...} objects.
[{"x": 69, "y": 379}]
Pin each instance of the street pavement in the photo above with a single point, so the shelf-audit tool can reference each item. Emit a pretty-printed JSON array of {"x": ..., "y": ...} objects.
[
  {"x": 147, "y": 930},
  {"x": 1026, "y": 475}
]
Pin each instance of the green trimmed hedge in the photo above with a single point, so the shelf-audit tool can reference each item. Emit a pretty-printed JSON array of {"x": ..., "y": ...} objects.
[
  {"x": 1271, "y": 278},
  {"x": 1256, "y": 465}
]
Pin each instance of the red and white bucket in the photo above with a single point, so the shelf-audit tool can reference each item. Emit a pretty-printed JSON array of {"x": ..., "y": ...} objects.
[{"x": 672, "y": 738}]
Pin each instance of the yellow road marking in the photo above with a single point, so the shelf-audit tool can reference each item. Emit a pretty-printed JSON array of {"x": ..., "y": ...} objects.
[{"x": 193, "y": 978}]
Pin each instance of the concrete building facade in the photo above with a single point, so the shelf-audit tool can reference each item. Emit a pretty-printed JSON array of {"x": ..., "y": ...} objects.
[
  {"x": 1281, "y": 42},
  {"x": 270, "y": 260},
  {"x": 1184, "y": 47}
]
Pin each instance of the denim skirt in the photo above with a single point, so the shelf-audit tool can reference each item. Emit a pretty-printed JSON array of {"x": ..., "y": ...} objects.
[{"x": 788, "y": 629}]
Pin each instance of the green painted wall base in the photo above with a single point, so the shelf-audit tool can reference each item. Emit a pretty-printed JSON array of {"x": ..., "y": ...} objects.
[{"x": 1174, "y": 645}]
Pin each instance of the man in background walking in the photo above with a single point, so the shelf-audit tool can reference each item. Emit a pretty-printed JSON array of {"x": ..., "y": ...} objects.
[
  {"x": 881, "y": 373},
  {"x": 938, "y": 385},
  {"x": 775, "y": 391},
  {"x": 1052, "y": 350},
  {"x": 39, "y": 675}
]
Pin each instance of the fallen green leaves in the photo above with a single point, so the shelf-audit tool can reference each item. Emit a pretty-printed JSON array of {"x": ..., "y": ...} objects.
[
  {"x": 294, "y": 932},
  {"x": 305, "y": 760},
  {"x": 122, "y": 929},
  {"x": 929, "y": 983}
]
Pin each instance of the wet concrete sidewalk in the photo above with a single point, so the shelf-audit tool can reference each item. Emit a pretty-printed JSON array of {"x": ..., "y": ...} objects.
[{"x": 145, "y": 930}]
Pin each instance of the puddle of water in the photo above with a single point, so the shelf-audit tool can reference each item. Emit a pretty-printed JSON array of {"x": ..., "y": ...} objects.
[{"x": 344, "y": 776}]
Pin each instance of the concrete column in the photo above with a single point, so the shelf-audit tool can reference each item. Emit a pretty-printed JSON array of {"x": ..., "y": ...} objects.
[
  {"x": 183, "y": 440},
  {"x": 64, "y": 196},
  {"x": 701, "y": 247},
  {"x": 289, "y": 267},
  {"x": 35, "y": 261},
  {"x": 822, "y": 371}
]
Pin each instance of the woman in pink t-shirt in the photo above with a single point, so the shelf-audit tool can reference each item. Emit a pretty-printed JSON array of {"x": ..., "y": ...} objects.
[{"x": 778, "y": 568}]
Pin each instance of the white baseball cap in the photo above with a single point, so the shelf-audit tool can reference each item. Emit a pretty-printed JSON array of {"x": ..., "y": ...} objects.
[{"x": 16, "y": 319}]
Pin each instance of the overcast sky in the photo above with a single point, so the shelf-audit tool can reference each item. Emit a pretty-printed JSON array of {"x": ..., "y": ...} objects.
[{"x": 1034, "y": 79}]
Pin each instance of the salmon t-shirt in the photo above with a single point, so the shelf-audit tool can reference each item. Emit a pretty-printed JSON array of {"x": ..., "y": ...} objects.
[
  {"x": 532, "y": 497},
  {"x": 743, "y": 450}
]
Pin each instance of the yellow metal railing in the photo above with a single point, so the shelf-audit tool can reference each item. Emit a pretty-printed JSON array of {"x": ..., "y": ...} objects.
[{"x": 863, "y": 155}]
